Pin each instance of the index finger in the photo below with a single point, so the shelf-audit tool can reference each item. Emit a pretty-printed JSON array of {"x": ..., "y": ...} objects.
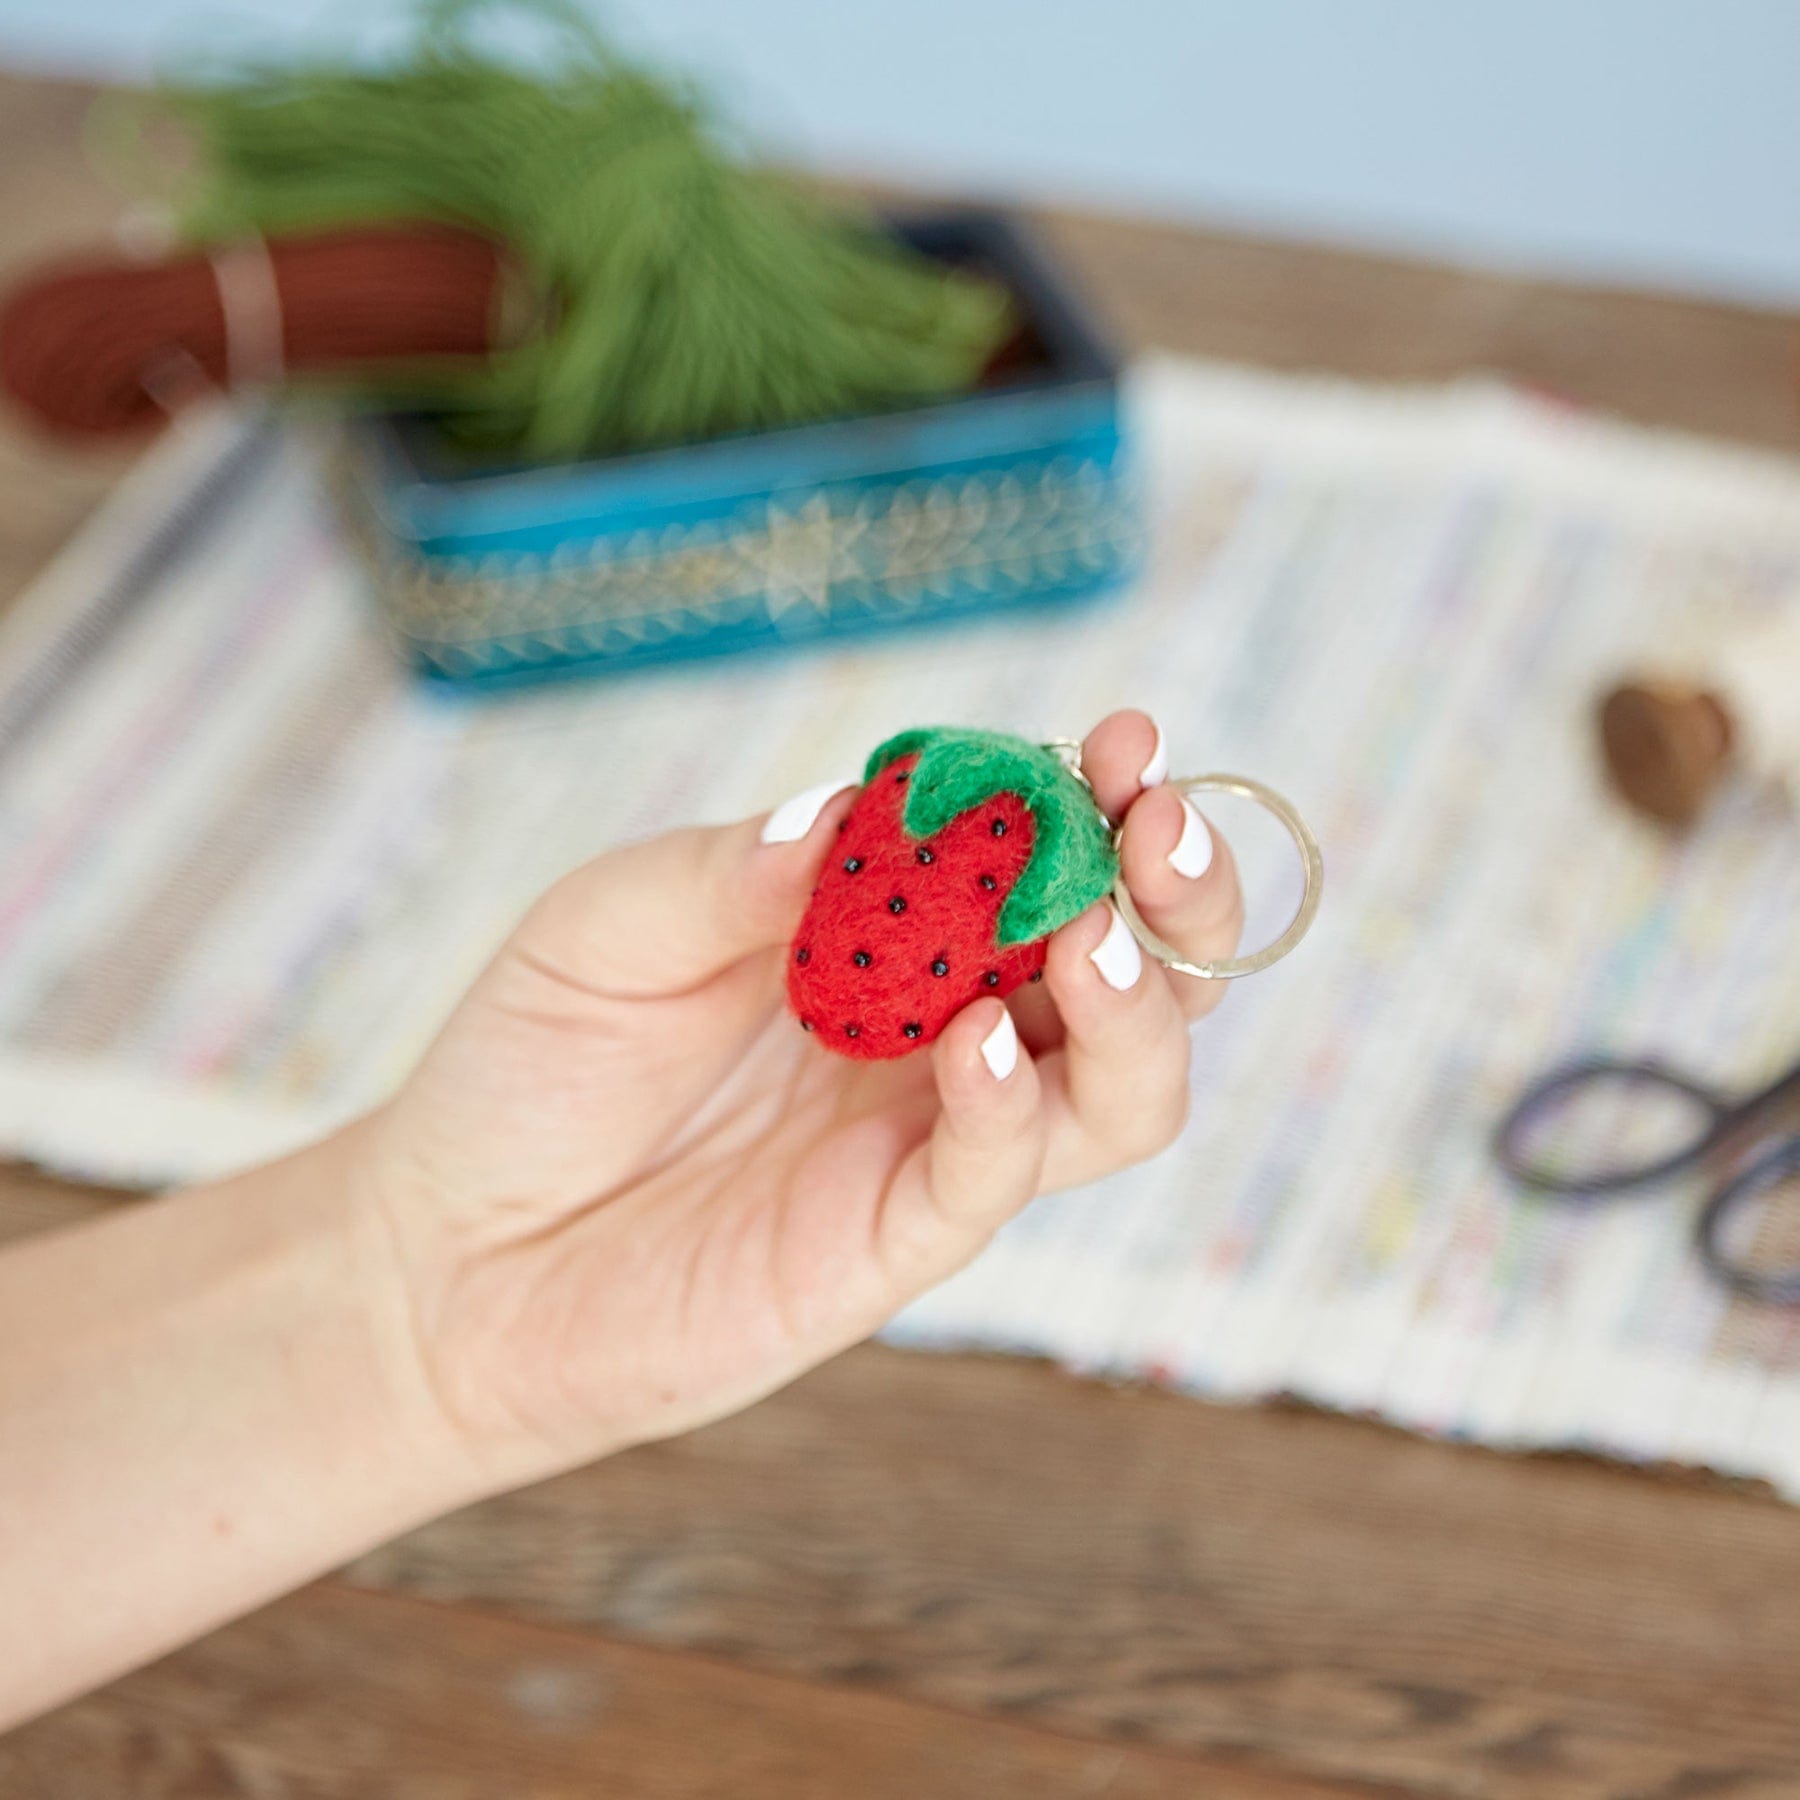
[
  {"x": 1180, "y": 871},
  {"x": 1184, "y": 881}
]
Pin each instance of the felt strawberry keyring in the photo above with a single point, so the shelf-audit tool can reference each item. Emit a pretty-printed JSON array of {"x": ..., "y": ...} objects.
[{"x": 964, "y": 851}]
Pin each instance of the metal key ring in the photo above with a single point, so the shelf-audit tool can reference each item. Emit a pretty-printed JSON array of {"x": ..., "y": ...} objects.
[
  {"x": 1246, "y": 787},
  {"x": 1229, "y": 968}
]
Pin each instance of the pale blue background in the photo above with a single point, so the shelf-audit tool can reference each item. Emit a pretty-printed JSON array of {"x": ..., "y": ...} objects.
[{"x": 1632, "y": 140}]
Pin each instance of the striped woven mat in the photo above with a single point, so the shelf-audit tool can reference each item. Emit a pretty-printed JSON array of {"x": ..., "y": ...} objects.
[{"x": 246, "y": 865}]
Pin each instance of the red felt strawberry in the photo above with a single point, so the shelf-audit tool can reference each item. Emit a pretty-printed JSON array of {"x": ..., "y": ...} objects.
[{"x": 963, "y": 852}]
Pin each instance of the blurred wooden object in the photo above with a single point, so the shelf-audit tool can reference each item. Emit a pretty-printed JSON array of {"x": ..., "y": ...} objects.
[
  {"x": 49, "y": 201},
  {"x": 1666, "y": 745},
  {"x": 1671, "y": 737},
  {"x": 948, "y": 1576}
]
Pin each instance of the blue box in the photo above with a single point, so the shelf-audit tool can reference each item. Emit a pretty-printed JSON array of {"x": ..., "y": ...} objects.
[{"x": 1015, "y": 495}]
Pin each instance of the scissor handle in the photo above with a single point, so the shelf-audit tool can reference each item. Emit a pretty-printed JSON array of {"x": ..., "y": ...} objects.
[
  {"x": 1770, "y": 1167},
  {"x": 1512, "y": 1135}
]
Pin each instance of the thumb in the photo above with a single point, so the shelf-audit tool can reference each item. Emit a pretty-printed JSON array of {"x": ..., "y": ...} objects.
[
  {"x": 664, "y": 916},
  {"x": 554, "y": 1077}
]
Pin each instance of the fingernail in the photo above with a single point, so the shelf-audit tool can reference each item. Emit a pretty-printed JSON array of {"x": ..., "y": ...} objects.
[
  {"x": 1000, "y": 1048},
  {"x": 1117, "y": 955},
  {"x": 1156, "y": 770},
  {"x": 1193, "y": 852},
  {"x": 793, "y": 819}
]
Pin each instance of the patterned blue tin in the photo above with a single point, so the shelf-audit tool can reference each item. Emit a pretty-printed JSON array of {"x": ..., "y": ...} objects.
[{"x": 1016, "y": 495}]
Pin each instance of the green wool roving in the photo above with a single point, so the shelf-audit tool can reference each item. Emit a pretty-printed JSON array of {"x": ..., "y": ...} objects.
[
  {"x": 684, "y": 292},
  {"x": 1072, "y": 863}
]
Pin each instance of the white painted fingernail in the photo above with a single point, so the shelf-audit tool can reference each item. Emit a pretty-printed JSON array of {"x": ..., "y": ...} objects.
[
  {"x": 1193, "y": 852},
  {"x": 1117, "y": 955},
  {"x": 1000, "y": 1048},
  {"x": 793, "y": 819},
  {"x": 1156, "y": 770}
]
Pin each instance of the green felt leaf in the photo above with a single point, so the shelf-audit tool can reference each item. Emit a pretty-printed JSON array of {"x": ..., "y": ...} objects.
[{"x": 1072, "y": 859}]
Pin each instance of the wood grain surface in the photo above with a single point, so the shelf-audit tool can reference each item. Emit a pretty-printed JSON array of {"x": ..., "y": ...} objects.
[
  {"x": 1312, "y": 1592},
  {"x": 341, "y": 1694},
  {"x": 948, "y": 1576}
]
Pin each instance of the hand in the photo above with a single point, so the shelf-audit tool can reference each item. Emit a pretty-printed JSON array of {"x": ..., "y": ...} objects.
[{"x": 628, "y": 1195}]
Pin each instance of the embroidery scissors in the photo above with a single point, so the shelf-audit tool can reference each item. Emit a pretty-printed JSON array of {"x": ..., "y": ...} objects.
[{"x": 1744, "y": 1131}]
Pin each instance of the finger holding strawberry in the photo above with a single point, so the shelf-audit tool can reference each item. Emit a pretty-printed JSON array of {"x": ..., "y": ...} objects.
[
  {"x": 1180, "y": 872},
  {"x": 1112, "y": 1038}
]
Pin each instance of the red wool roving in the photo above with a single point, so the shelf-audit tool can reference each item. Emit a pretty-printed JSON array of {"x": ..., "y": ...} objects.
[{"x": 963, "y": 852}]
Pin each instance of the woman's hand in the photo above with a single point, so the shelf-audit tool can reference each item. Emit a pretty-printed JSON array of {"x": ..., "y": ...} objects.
[
  {"x": 622, "y": 1195},
  {"x": 627, "y": 1194}
]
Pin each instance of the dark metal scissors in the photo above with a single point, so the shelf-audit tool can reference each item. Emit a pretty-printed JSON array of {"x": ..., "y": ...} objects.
[{"x": 1745, "y": 1131}]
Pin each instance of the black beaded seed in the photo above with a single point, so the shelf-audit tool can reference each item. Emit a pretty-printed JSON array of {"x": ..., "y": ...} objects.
[
  {"x": 803, "y": 957},
  {"x": 913, "y": 1030},
  {"x": 1036, "y": 975},
  {"x": 903, "y": 775},
  {"x": 925, "y": 855},
  {"x": 852, "y": 864},
  {"x": 940, "y": 967},
  {"x": 988, "y": 882},
  {"x": 897, "y": 904},
  {"x": 998, "y": 828},
  {"x": 992, "y": 978},
  {"x": 807, "y": 1025},
  {"x": 852, "y": 1031},
  {"x": 862, "y": 959}
]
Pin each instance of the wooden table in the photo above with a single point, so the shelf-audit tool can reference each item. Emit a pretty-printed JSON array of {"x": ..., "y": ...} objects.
[{"x": 938, "y": 1577}]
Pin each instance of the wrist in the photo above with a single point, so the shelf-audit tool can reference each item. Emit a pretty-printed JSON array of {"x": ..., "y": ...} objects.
[
  {"x": 321, "y": 1239},
  {"x": 205, "y": 1400},
  {"x": 437, "y": 1296}
]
